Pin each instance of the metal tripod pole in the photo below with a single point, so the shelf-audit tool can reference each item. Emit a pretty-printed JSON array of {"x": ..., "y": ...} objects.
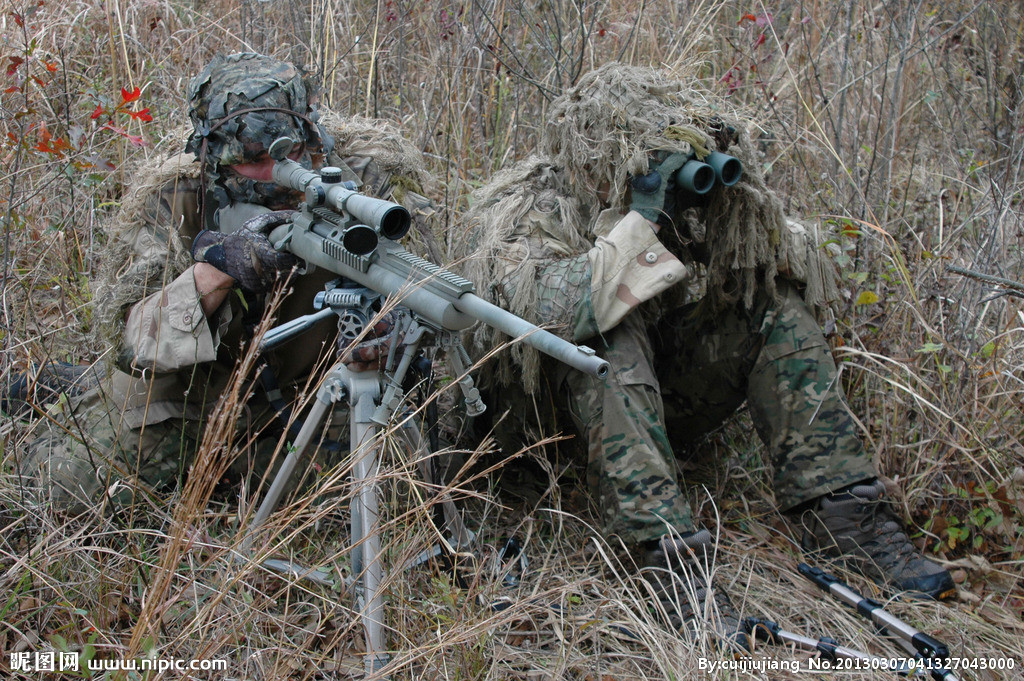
[
  {"x": 828, "y": 648},
  {"x": 918, "y": 643},
  {"x": 367, "y": 568},
  {"x": 362, "y": 391}
]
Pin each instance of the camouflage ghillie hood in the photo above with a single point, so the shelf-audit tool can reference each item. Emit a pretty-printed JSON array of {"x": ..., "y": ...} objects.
[
  {"x": 603, "y": 131},
  {"x": 140, "y": 261},
  {"x": 239, "y": 104}
]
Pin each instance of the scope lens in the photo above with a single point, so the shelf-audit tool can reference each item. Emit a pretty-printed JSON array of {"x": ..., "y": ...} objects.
[
  {"x": 395, "y": 223},
  {"x": 359, "y": 240}
]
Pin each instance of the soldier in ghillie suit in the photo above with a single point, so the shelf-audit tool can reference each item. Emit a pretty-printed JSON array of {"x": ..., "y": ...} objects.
[
  {"x": 187, "y": 275},
  {"x": 699, "y": 305}
]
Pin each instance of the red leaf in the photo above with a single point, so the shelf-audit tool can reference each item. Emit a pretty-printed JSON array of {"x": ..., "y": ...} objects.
[
  {"x": 130, "y": 96},
  {"x": 51, "y": 66},
  {"x": 98, "y": 112},
  {"x": 747, "y": 17},
  {"x": 18, "y": 19},
  {"x": 12, "y": 68},
  {"x": 760, "y": 40},
  {"x": 13, "y": 88},
  {"x": 141, "y": 115},
  {"x": 134, "y": 139}
]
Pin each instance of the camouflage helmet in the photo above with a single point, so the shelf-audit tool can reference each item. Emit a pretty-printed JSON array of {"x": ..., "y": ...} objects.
[
  {"x": 603, "y": 130},
  {"x": 240, "y": 103}
]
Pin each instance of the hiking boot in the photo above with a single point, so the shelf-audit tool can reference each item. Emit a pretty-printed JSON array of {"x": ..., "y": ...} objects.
[
  {"x": 23, "y": 391},
  {"x": 677, "y": 567},
  {"x": 858, "y": 526}
]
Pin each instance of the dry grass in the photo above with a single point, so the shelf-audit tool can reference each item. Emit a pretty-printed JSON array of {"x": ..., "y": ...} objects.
[{"x": 900, "y": 125}]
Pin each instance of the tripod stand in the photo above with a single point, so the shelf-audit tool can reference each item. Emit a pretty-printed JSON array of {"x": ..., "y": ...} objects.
[{"x": 375, "y": 401}]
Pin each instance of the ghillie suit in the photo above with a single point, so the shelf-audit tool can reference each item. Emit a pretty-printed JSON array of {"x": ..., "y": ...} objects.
[
  {"x": 698, "y": 304},
  {"x": 598, "y": 136},
  {"x": 694, "y": 316}
]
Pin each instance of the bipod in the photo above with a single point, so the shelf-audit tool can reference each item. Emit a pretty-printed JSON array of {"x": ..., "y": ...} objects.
[
  {"x": 374, "y": 399},
  {"x": 826, "y": 646},
  {"x": 924, "y": 648}
]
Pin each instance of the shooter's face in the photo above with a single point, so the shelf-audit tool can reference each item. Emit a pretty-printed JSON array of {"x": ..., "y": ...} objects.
[{"x": 252, "y": 181}]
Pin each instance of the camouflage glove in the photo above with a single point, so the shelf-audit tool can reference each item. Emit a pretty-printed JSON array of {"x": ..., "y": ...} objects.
[
  {"x": 367, "y": 354},
  {"x": 246, "y": 255},
  {"x": 651, "y": 191}
]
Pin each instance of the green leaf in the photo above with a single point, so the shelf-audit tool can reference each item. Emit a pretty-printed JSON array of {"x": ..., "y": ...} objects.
[
  {"x": 867, "y": 298},
  {"x": 929, "y": 348},
  {"x": 988, "y": 349}
]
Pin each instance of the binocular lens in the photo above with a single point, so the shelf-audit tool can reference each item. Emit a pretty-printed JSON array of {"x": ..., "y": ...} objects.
[{"x": 696, "y": 177}]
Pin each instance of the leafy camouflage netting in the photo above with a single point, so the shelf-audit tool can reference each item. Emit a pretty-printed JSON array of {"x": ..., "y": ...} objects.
[{"x": 235, "y": 83}]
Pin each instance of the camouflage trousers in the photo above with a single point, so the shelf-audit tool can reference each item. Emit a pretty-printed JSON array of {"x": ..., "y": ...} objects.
[
  {"x": 680, "y": 379},
  {"x": 96, "y": 452}
]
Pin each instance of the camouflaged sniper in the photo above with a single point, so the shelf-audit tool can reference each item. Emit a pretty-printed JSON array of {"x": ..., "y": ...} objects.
[
  {"x": 147, "y": 421},
  {"x": 145, "y": 253},
  {"x": 598, "y": 135}
]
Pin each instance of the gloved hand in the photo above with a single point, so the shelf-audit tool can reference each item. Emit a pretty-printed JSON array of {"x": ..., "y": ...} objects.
[
  {"x": 651, "y": 191},
  {"x": 246, "y": 254},
  {"x": 367, "y": 354}
]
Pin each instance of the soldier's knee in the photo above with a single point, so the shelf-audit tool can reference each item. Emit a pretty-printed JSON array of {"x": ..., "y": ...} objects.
[{"x": 55, "y": 474}]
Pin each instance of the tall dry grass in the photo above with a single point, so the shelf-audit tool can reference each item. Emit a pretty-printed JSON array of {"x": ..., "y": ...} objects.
[{"x": 898, "y": 125}]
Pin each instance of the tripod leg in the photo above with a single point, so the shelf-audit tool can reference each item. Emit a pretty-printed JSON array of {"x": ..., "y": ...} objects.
[
  {"x": 367, "y": 567},
  {"x": 302, "y": 442}
]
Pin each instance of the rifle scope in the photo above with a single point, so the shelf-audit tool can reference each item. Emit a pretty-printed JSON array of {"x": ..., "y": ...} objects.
[{"x": 326, "y": 190}]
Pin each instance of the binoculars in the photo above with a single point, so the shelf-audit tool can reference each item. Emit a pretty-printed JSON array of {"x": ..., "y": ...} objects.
[{"x": 698, "y": 177}]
